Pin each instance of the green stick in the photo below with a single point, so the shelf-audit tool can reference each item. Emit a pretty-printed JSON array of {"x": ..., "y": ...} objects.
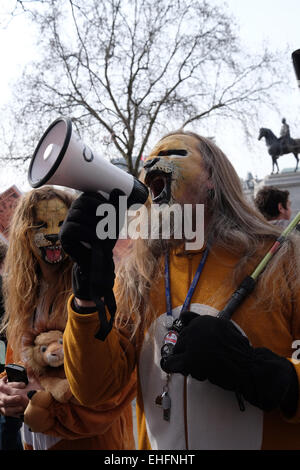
[
  {"x": 248, "y": 284},
  {"x": 275, "y": 247}
]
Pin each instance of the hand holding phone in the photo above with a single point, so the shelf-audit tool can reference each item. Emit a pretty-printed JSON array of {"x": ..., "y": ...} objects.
[{"x": 16, "y": 373}]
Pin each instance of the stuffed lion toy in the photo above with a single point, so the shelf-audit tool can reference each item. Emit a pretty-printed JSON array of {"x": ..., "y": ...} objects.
[
  {"x": 44, "y": 356},
  {"x": 46, "y": 360}
]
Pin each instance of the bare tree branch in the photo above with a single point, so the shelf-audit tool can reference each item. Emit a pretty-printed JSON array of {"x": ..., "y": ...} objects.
[{"x": 126, "y": 68}]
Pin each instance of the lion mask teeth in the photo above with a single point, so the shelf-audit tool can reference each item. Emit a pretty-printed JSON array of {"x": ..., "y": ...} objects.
[{"x": 160, "y": 177}]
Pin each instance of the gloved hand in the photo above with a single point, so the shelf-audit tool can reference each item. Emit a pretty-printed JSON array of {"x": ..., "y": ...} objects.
[
  {"x": 93, "y": 271},
  {"x": 214, "y": 349}
]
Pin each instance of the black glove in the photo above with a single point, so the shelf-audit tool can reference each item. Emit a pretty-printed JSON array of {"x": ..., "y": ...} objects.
[
  {"x": 93, "y": 272},
  {"x": 214, "y": 349}
]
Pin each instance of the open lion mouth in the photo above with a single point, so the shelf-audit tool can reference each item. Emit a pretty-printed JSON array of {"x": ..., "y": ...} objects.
[
  {"x": 52, "y": 254},
  {"x": 159, "y": 184}
]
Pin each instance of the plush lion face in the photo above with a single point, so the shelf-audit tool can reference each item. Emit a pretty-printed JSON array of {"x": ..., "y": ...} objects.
[
  {"x": 47, "y": 350},
  {"x": 175, "y": 171}
]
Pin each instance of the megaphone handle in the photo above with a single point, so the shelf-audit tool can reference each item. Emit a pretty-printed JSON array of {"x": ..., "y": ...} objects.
[{"x": 109, "y": 302}]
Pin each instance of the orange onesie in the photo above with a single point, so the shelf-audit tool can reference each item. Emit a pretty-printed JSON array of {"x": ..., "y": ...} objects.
[{"x": 203, "y": 416}]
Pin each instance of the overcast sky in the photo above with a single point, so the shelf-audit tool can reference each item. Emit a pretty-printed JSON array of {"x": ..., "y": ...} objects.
[{"x": 274, "y": 22}]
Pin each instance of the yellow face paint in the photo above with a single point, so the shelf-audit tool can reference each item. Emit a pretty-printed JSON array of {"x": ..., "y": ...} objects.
[{"x": 50, "y": 215}]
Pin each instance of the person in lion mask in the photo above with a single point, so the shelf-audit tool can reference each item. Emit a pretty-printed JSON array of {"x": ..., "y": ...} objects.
[
  {"x": 212, "y": 383},
  {"x": 37, "y": 284}
]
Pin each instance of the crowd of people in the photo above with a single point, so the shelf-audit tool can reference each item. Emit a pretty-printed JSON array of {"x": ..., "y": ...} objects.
[{"x": 200, "y": 381}]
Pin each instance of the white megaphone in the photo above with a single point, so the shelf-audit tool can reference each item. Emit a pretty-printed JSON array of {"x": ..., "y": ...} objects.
[{"x": 62, "y": 159}]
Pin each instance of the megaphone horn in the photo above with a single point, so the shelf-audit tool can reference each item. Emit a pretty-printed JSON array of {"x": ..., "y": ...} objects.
[{"x": 62, "y": 159}]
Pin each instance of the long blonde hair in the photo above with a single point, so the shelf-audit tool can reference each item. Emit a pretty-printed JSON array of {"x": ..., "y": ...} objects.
[
  {"x": 22, "y": 277},
  {"x": 234, "y": 225}
]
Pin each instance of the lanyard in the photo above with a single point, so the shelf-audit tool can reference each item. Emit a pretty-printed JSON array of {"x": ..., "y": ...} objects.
[{"x": 190, "y": 291}]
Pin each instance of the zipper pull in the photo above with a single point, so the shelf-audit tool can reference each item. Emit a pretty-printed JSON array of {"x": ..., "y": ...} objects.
[{"x": 166, "y": 404}]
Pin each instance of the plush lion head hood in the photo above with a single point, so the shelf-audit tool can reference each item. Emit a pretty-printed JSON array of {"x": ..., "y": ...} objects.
[
  {"x": 175, "y": 171},
  {"x": 186, "y": 168}
]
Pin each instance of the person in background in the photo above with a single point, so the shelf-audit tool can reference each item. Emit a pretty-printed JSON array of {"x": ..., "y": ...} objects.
[{"x": 274, "y": 204}]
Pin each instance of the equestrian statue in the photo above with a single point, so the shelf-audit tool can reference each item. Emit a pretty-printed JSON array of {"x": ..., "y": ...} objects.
[{"x": 282, "y": 145}]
